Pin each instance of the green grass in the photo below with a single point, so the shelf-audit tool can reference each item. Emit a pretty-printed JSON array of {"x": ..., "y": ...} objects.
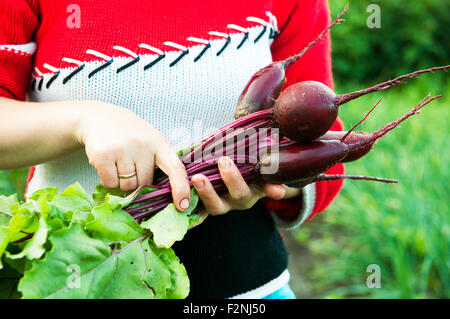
[{"x": 402, "y": 228}]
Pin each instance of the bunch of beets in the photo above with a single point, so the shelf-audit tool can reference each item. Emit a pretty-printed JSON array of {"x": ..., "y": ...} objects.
[{"x": 280, "y": 136}]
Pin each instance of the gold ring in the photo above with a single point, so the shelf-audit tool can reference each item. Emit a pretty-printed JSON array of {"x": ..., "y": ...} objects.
[{"x": 125, "y": 176}]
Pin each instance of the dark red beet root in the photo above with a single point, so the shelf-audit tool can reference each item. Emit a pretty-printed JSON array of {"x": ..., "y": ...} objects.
[
  {"x": 265, "y": 85},
  {"x": 305, "y": 110},
  {"x": 300, "y": 161},
  {"x": 360, "y": 143},
  {"x": 352, "y": 138},
  {"x": 262, "y": 90}
]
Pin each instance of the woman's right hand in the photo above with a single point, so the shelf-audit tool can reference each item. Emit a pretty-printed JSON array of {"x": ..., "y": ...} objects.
[{"x": 118, "y": 142}]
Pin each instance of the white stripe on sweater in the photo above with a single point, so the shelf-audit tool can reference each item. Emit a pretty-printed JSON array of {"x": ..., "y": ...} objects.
[
  {"x": 23, "y": 49},
  {"x": 309, "y": 200},
  {"x": 184, "y": 102},
  {"x": 266, "y": 289}
]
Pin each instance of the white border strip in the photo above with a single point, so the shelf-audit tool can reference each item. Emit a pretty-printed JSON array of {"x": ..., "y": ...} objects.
[
  {"x": 257, "y": 20},
  {"x": 98, "y": 54},
  {"x": 237, "y": 27},
  {"x": 51, "y": 68},
  {"x": 266, "y": 289},
  {"x": 218, "y": 34},
  {"x": 309, "y": 200},
  {"x": 125, "y": 50},
  {"x": 72, "y": 61},
  {"x": 149, "y": 47},
  {"x": 38, "y": 72},
  {"x": 175, "y": 45},
  {"x": 197, "y": 40},
  {"x": 28, "y": 48}
]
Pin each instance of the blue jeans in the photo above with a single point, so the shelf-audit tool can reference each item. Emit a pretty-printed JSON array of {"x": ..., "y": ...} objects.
[{"x": 284, "y": 292}]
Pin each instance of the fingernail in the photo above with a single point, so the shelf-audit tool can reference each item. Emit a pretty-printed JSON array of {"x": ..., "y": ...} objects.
[
  {"x": 282, "y": 192},
  {"x": 224, "y": 163},
  {"x": 184, "y": 204},
  {"x": 199, "y": 184}
]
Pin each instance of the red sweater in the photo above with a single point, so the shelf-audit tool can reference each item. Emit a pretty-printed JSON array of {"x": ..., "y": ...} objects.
[{"x": 128, "y": 23}]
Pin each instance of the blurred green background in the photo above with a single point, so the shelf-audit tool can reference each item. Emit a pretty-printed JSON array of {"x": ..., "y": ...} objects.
[{"x": 404, "y": 228}]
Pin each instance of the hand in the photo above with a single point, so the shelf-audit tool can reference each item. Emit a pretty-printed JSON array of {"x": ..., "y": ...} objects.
[
  {"x": 240, "y": 195},
  {"x": 118, "y": 142}
]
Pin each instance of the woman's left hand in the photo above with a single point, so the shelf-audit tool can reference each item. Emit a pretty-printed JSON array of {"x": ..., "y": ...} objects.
[{"x": 240, "y": 195}]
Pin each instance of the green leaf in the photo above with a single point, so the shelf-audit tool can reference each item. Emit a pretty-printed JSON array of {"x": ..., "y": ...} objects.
[
  {"x": 179, "y": 278},
  {"x": 194, "y": 219},
  {"x": 50, "y": 192},
  {"x": 34, "y": 248},
  {"x": 114, "y": 224},
  {"x": 5, "y": 208},
  {"x": 133, "y": 271},
  {"x": 14, "y": 231},
  {"x": 116, "y": 198},
  {"x": 101, "y": 191},
  {"x": 73, "y": 198},
  {"x": 189, "y": 149},
  {"x": 170, "y": 225}
]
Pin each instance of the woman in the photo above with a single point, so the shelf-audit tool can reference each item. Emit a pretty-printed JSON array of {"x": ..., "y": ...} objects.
[{"x": 116, "y": 86}]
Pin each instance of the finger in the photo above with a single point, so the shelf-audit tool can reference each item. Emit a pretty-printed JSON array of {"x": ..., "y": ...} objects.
[
  {"x": 274, "y": 191},
  {"x": 145, "y": 171},
  {"x": 213, "y": 204},
  {"x": 233, "y": 180},
  {"x": 126, "y": 167},
  {"x": 277, "y": 192},
  {"x": 169, "y": 163},
  {"x": 107, "y": 171}
]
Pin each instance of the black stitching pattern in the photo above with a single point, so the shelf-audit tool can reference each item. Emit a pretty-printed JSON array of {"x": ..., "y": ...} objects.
[
  {"x": 40, "y": 84},
  {"x": 154, "y": 62},
  {"x": 245, "y": 38},
  {"x": 53, "y": 78},
  {"x": 101, "y": 67},
  {"x": 134, "y": 61},
  {"x": 185, "y": 52},
  {"x": 260, "y": 35},
  {"x": 272, "y": 34},
  {"x": 67, "y": 78},
  {"x": 224, "y": 46},
  {"x": 202, "y": 52}
]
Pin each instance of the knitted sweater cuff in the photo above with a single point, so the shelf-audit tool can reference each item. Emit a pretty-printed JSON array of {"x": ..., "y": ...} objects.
[{"x": 298, "y": 211}]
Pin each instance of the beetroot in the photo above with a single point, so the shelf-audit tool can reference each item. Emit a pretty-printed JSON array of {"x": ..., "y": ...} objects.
[
  {"x": 265, "y": 85},
  {"x": 299, "y": 161}
]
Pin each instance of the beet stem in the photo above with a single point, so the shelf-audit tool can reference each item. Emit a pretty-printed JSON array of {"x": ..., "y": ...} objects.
[
  {"x": 326, "y": 177},
  {"x": 390, "y": 126},
  {"x": 297, "y": 56},
  {"x": 360, "y": 122},
  {"x": 344, "y": 98}
]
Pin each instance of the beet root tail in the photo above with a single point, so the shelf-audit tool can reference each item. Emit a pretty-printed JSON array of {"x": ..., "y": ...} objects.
[
  {"x": 327, "y": 177},
  {"x": 390, "y": 126},
  {"x": 297, "y": 56},
  {"x": 344, "y": 98}
]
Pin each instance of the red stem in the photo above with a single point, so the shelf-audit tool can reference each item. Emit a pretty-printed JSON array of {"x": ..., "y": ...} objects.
[
  {"x": 390, "y": 126},
  {"x": 360, "y": 122},
  {"x": 297, "y": 56},
  {"x": 344, "y": 98},
  {"x": 326, "y": 177}
]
